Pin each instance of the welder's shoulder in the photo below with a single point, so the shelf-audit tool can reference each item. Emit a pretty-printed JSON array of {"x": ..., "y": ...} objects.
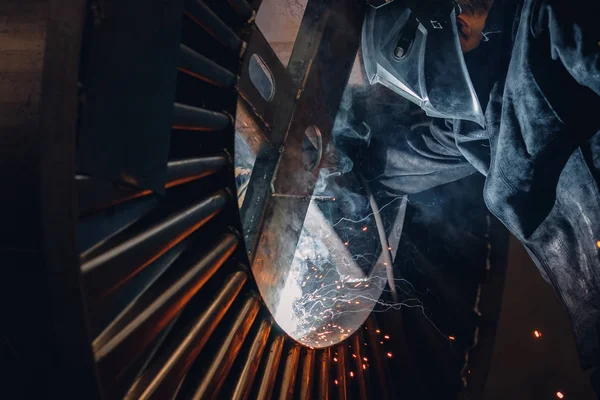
[
  {"x": 561, "y": 16},
  {"x": 570, "y": 32}
]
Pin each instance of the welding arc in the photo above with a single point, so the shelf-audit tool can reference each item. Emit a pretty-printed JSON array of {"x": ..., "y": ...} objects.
[{"x": 387, "y": 256}]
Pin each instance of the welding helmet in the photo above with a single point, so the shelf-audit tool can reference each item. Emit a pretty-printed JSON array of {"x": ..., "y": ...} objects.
[{"x": 412, "y": 47}]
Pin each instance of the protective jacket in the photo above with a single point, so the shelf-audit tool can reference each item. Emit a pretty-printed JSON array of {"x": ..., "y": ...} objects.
[{"x": 539, "y": 81}]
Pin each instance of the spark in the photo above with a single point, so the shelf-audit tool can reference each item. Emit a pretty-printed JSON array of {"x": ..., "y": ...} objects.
[
  {"x": 365, "y": 358},
  {"x": 351, "y": 374},
  {"x": 336, "y": 382},
  {"x": 368, "y": 216},
  {"x": 451, "y": 338},
  {"x": 364, "y": 366},
  {"x": 560, "y": 395},
  {"x": 364, "y": 229},
  {"x": 537, "y": 334},
  {"x": 389, "y": 355},
  {"x": 387, "y": 337},
  {"x": 325, "y": 304}
]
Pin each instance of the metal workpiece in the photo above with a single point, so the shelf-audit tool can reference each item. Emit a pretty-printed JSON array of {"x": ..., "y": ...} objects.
[
  {"x": 275, "y": 113},
  {"x": 307, "y": 374},
  {"x": 199, "y": 66},
  {"x": 189, "y": 169},
  {"x": 361, "y": 364},
  {"x": 96, "y": 194},
  {"x": 324, "y": 376},
  {"x": 114, "y": 262},
  {"x": 273, "y": 237},
  {"x": 211, "y": 23},
  {"x": 95, "y": 228},
  {"x": 265, "y": 388},
  {"x": 251, "y": 363},
  {"x": 275, "y": 116},
  {"x": 163, "y": 378},
  {"x": 219, "y": 367},
  {"x": 134, "y": 329},
  {"x": 112, "y": 307},
  {"x": 290, "y": 369},
  {"x": 343, "y": 371},
  {"x": 191, "y": 118}
]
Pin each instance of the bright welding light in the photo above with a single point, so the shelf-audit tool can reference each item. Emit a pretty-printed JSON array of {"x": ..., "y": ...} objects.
[{"x": 316, "y": 292}]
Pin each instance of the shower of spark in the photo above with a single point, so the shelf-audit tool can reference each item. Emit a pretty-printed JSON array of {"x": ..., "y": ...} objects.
[{"x": 320, "y": 306}]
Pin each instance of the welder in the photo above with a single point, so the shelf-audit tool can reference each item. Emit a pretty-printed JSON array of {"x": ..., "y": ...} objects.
[{"x": 513, "y": 89}]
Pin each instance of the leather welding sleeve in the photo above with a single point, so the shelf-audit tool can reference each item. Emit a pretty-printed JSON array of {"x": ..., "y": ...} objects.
[{"x": 418, "y": 158}]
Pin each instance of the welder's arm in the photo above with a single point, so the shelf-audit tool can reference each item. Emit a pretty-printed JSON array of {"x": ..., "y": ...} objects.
[{"x": 426, "y": 156}]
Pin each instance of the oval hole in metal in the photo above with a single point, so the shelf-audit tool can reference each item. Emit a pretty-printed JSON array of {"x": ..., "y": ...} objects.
[
  {"x": 312, "y": 147},
  {"x": 261, "y": 77}
]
